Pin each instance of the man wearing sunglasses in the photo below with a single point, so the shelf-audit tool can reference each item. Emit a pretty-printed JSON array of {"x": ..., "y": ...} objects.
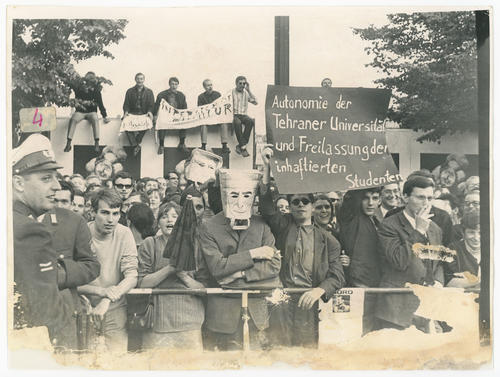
[
  {"x": 241, "y": 97},
  {"x": 310, "y": 259},
  {"x": 398, "y": 233},
  {"x": 123, "y": 185}
]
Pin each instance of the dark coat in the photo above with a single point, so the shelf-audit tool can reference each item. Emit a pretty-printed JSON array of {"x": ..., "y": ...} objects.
[
  {"x": 41, "y": 303},
  {"x": 227, "y": 251},
  {"x": 71, "y": 240},
  {"x": 401, "y": 266},
  {"x": 327, "y": 269}
]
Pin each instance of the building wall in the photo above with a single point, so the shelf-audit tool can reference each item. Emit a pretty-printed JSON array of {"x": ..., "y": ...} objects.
[{"x": 400, "y": 141}]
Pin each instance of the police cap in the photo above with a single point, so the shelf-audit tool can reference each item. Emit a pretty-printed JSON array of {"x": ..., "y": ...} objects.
[{"x": 34, "y": 154}]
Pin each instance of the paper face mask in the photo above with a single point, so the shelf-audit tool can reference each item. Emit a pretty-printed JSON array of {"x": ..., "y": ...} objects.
[
  {"x": 202, "y": 166},
  {"x": 238, "y": 188}
]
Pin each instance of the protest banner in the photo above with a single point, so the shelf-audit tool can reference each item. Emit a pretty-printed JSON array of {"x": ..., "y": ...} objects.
[
  {"x": 328, "y": 139},
  {"x": 219, "y": 111},
  {"x": 136, "y": 123}
]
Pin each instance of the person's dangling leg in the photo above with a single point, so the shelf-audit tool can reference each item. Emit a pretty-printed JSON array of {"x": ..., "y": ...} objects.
[
  {"x": 74, "y": 120},
  {"x": 161, "y": 136},
  {"x": 204, "y": 136},
  {"x": 238, "y": 131},
  {"x": 224, "y": 137},
  {"x": 94, "y": 122},
  {"x": 182, "y": 141},
  {"x": 249, "y": 123}
]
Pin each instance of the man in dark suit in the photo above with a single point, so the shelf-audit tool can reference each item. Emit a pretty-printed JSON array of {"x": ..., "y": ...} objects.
[
  {"x": 36, "y": 273},
  {"x": 238, "y": 256},
  {"x": 398, "y": 233},
  {"x": 310, "y": 259}
]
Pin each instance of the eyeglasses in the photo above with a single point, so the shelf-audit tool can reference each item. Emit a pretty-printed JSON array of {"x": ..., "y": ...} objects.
[
  {"x": 423, "y": 197},
  {"x": 472, "y": 204},
  {"x": 242, "y": 83},
  {"x": 121, "y": 187},
  {"x": 296, "y": 202},
  {"x": 322, "y": 207}
]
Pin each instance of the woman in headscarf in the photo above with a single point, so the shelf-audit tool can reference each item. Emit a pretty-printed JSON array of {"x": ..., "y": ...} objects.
[{"x": 177, "y": 319}]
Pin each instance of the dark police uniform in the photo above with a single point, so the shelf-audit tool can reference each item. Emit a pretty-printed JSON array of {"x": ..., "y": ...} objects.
[{"x": 39, "y": 302}]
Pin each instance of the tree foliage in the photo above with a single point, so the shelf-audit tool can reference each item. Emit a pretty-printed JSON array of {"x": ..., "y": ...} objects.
[
  {"x": 429, "y": 60},
  {"x": 43, "y": 54}
]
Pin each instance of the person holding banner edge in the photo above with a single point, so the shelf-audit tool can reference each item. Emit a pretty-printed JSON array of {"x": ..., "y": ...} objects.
[
  {"x": 310, "y": 258},
  {"x": 241, "y": 96},
  {"x": 205, "y": 98},
  {"x": 139, "y": 100},
  {"x": 177, "y": 100}
]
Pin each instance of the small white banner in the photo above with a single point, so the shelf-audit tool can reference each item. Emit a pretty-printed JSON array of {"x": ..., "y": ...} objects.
[
  {"x": 341, "y": 318},
  {"x": 219, "y": 111},
  {"x": 136, "y": 123}
]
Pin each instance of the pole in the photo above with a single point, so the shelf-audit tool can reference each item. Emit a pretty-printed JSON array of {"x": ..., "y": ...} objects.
[
  {"x": 245, "y": 317},
  {"x": 483, "y": 108}
]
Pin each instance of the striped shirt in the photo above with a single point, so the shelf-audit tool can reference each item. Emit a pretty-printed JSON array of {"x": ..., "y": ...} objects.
[{"x": 240, "y": 101}]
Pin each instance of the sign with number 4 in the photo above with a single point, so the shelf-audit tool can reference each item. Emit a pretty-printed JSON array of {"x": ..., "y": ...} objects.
[{"x": 38, "y": 119}]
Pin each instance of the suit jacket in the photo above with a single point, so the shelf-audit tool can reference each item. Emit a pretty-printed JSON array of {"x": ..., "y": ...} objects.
[
  {"x": 327, "y": 269},
  {"x": 225, "y": 252},
  {"x": 400, "y": 265},
  {"x": 71, "y": 241},
  {"x": 40, "y": 302}
]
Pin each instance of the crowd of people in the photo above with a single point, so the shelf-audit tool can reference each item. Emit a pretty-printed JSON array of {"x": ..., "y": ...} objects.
[
  {"x": 140, "y": 102},
  {"x": 81, "y": 244}
]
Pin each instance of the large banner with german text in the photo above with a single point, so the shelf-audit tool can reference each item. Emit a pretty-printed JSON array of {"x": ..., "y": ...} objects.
[
  {"x": 217, "y": 112},
  {"x": 327, "y": 139}
]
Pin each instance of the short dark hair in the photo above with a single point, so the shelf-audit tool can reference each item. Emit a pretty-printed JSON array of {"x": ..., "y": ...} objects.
[
  {"x": 139, "y": 74},
  {"x": 471, "y": 219},
  {"x": 172, "y": 172},
  {"x": 174, "y": 79},
  {"x": 142, "y": 218},
  {"x": 416, "y": 181},
  {"x": 452, "y": 199},
  {"x": 240, "y": 78},
  {"x": 123, "y": 175},
  {"x": 107, "y": 195},
  {"x": 142, "y": 196},
  {"x": 79, "y": 193},
  {"x": 421, "y": 173},
  {"x": 67, "y": 186},
  {"x": 191, "y": 190}
]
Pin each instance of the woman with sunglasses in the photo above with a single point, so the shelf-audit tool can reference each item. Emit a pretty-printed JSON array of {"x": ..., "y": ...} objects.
[{"x": 310, "y": 259}]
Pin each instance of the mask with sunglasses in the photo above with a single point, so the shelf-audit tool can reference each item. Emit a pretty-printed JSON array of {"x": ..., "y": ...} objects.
[
  {"x": 238, "y": 188},
  {"x": 202, "y": 166}
]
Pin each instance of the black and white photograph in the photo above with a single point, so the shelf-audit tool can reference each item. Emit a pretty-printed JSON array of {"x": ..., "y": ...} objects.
[{"x": 224, "y": 187}]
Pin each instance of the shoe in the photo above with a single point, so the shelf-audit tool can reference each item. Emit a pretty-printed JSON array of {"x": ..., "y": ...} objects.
[
  {"x": 204, "y": 147},
  {"x": 182, "y": 147},
  {"x": 137, "y": 150},
  {"x": 225, "y": 150},
  {"x": 160, "y": 149},
  {"x": 67, "y": 148},
  {"x": 97, "y": 149},
  {"x": 244, "y": 153},
  {"x": 238, "y": 149}
]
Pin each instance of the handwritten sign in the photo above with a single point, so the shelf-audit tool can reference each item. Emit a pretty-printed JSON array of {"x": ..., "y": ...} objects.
[
  {"x": 38, "y": 119},
  {"x": 219, "y": 111},
  {"x": 328, "y": 139},
  {"x": 136, "y": 123}
]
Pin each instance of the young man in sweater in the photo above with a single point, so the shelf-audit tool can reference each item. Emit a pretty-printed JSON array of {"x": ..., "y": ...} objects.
[{"x": 115, "y": 248}]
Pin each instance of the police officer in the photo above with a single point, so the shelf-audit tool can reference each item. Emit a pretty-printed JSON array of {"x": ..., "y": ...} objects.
[{"x": 40, "y": 302}]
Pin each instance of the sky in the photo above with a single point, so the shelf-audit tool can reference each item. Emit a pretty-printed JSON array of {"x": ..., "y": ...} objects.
[{"x": 198, "y": 43}]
